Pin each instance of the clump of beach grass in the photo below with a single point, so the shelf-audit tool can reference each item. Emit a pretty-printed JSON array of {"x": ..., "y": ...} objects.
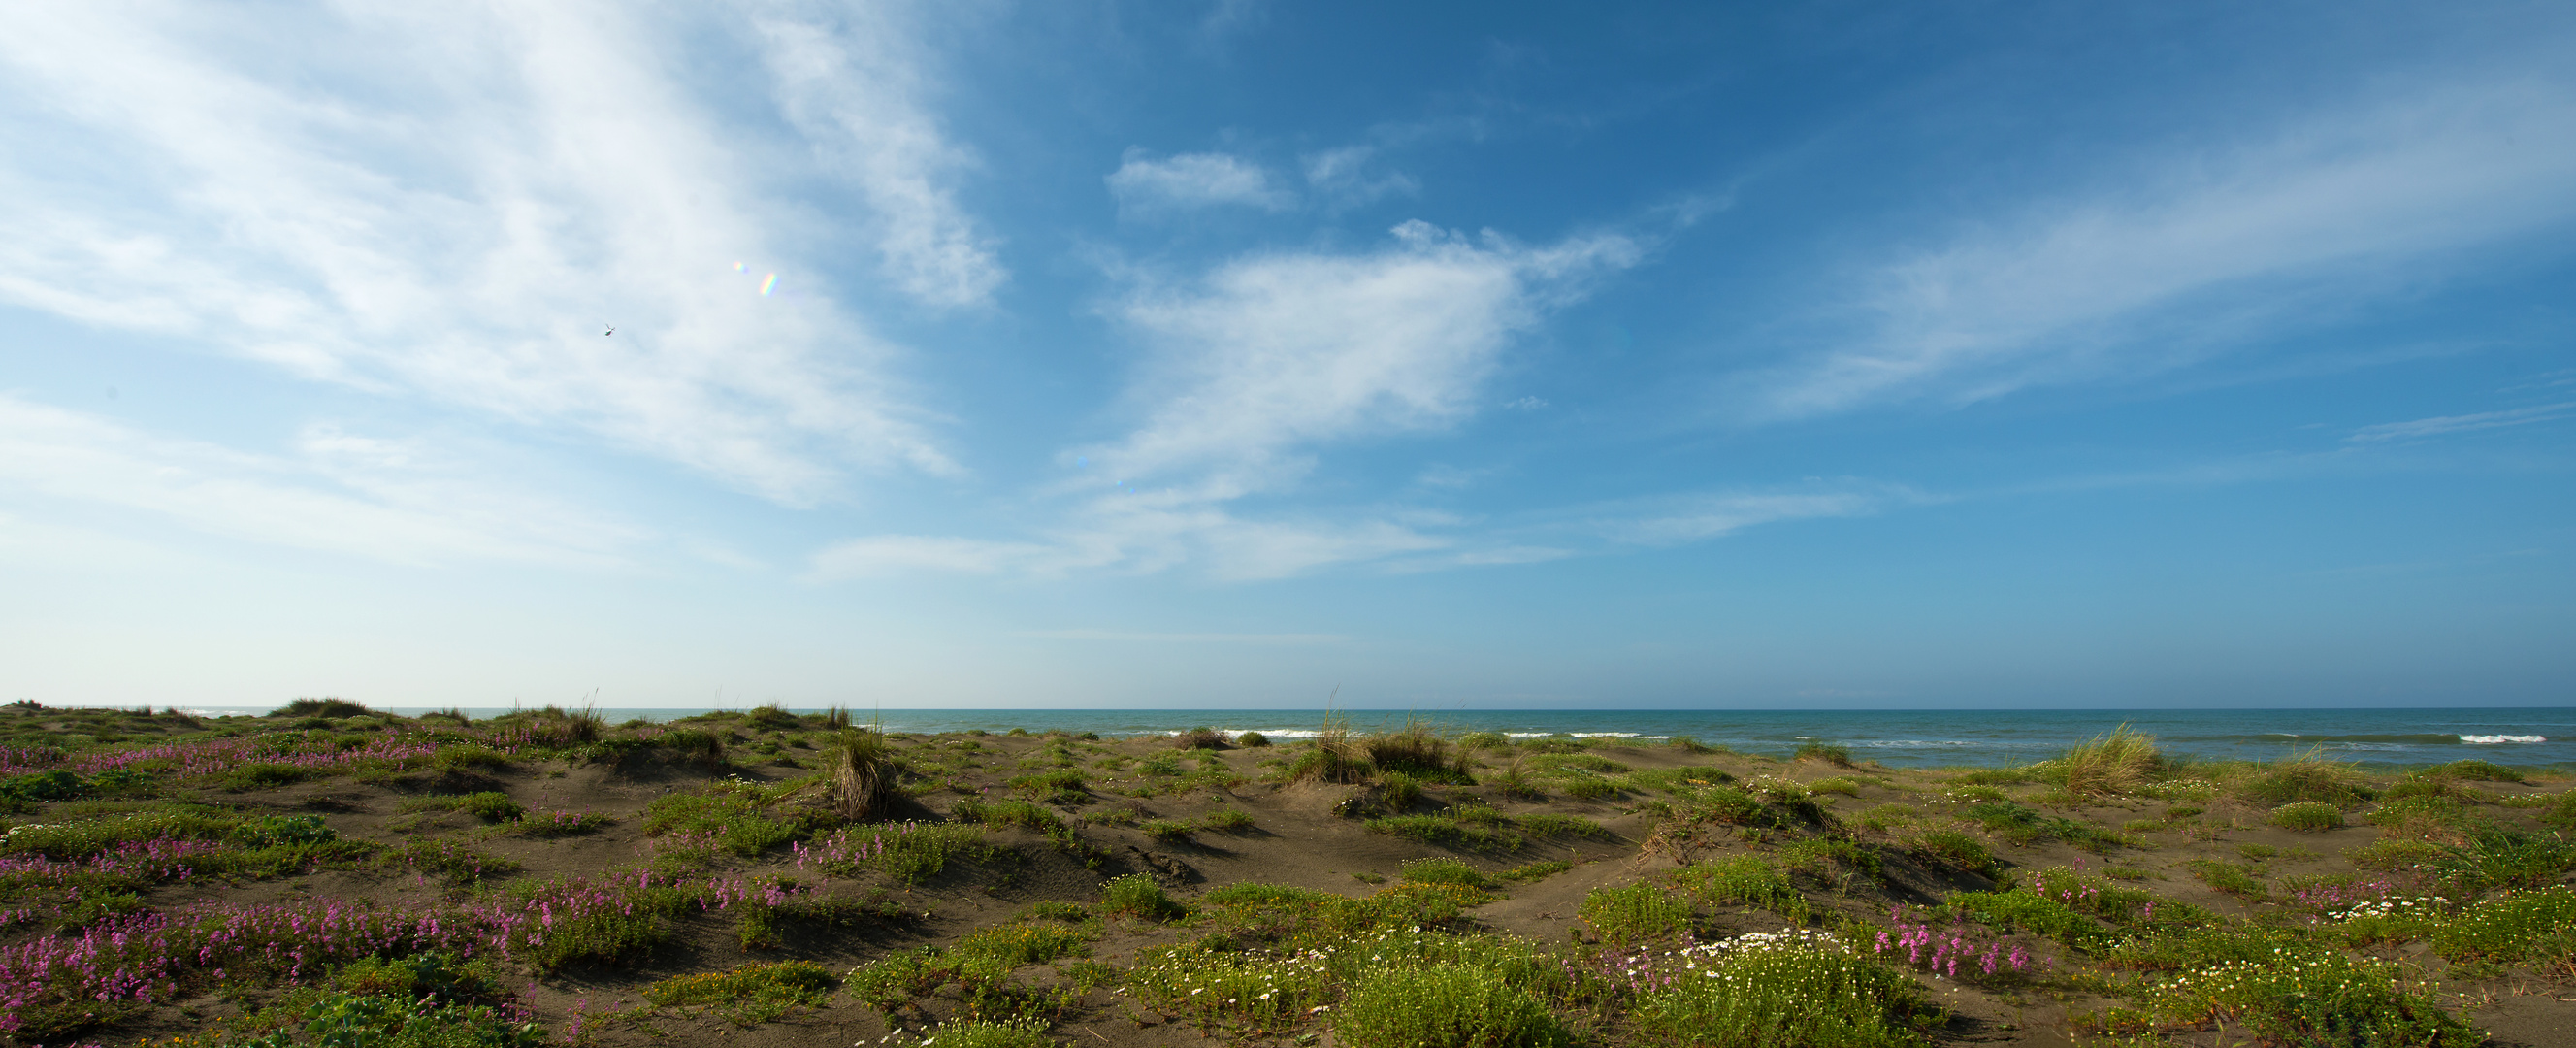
[
  {"x": 2306, "y": 775},
  {"x": 862, "y": 772},
  {"x": 2109, "y": 765},
  {"x": 1830, "y": 754},
  {"x": 1416, "y": 750},
  {"x": 1333, "y": 756},
  {"x": 327, "y": 708}
]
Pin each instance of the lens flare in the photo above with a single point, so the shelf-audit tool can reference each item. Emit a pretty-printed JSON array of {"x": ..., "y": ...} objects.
[{"x": 767, "y": 285}]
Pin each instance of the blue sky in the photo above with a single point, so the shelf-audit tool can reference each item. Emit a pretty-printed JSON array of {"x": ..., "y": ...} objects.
[{"x": 1222, "y": 354}]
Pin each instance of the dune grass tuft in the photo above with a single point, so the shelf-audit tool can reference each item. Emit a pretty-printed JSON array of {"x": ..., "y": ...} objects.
[
  {"x": 2110, "y": 765},
  {"x": 862, "y": 773}
]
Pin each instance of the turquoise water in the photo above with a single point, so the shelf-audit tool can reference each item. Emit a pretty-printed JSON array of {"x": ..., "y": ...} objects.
[{"x": 1896, "y": 737}]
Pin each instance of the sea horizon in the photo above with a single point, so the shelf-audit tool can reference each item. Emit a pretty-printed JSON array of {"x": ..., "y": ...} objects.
[{"x": 2530, "y": 735}]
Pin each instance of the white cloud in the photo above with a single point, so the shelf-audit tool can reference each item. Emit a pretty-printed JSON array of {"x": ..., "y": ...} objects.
[
  {"x": 897, "y": 554},
  {"x": 852, "y": 88},
  {"x": 1275, "y": 354},
  {"x": 1193, "y": 180},
  {"x": 2428, "y": 427},
  {"x": 397, "y": 501},
  {"x": 1341, "y": 176},
  {"x": 452, "y": 215},
  {"x": 1702, "y": 517},
  {"x": 2213, "y": 248},
  {"x": 1257, "y": 365}
]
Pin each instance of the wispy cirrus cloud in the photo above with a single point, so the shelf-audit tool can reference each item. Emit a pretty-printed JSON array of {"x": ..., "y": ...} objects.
[
  {"x": 456, "y": 215},
  {"x": 851, "y": 80},
  {"x": 1343, "y": 177},
  {"x": 2430, "y": 427},
  {"x": 1274, "y": 355},
  {"x": 2213, "y": 247},
  {"x": 1250, "y": 372},
  {"x": 1144, "y": 184},
  {"x": 394, "y": 500},
  {"x": 1675, "y": 520}
]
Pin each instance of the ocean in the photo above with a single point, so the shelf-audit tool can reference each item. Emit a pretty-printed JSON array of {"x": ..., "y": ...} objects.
[{"x": 1899, "y": 738}]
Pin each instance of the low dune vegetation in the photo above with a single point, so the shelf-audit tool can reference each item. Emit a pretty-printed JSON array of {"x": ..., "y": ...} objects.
[{"x": 332, "y": 875}]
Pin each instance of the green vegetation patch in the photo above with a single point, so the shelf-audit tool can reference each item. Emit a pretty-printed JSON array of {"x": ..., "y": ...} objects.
[
  {"x": 1794, "y": 988},
  {"x": 750, "y": 994}
]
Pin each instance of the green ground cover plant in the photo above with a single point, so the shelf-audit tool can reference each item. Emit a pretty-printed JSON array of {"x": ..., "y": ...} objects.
[
  {"x": 1445, "y": 1006},
  {"x": 750, "y": 994},
  {"x": 1776, "y": 991},
  {"x": 1636, "y": 913},
  {"x": 730, "y": 814},
  {"x": 2308, "y": 816}
]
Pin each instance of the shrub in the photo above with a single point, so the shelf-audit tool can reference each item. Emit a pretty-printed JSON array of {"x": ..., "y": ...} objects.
[
  {"x": 1444, "y": 1006},
  {"x": 1252, "y": 740},
  {"x": 1140, "y": 896},
  {"x": 51, "y": 785},
  {"x": 1198, "y": 739},
  {"x": 2308, "y": 816},
  {"x": 1166, "y": 830},
  {"x": 1230, "y": 820},
  {"x": 1484, "y": 740},
  {"x": 327, "y": 708},
  {"x": 1635, "y": 913}
]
